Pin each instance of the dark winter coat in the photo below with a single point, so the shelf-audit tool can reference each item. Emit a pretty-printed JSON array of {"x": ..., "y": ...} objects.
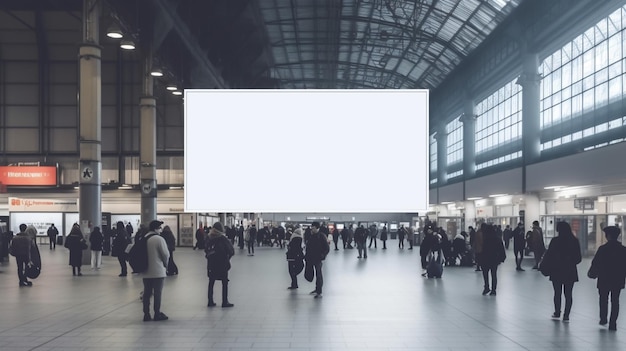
[
  {"x": 316, "y": 248},
  {"x": 73, "y": 242},
  {"x": 20, "y": 245},
  {"x": 428, "y": 243},
  {"x": 95, "y": 240},
  {"x": 170, "y": 240},
  {"x": 360, "y": 235},
  {"x": 610, "y": 263},
  {"x": 218, "y": 252},
  {"x": 383, "y": 234},
  {"x": 52, "y": 232},
  {"x": 493, "y": 251},
  {"x": 519, "y": 239},
  {"x": 562, "y": 256},
  {"x": 120, "y": 242}
]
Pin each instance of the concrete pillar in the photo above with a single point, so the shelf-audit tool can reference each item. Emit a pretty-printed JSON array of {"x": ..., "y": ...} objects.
[
  {"x": 531, "y": 127},
  {"x": 470, "y": 215},
  {"x": 469, "y": 139},
  {"x": 442, "y": 157},
  {"x": 147, "y": 148},
  {"x": 89, "y": 164},
  {"x": 531, "y": 209}
]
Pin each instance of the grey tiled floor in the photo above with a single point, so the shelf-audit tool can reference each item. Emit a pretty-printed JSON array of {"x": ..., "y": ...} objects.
[{"x": 381, "y": 303}]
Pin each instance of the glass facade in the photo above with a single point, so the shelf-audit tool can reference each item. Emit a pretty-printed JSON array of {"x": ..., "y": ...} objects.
[
  {"x": 581, "y": 80},
  {"x": 433, "y": 159}
]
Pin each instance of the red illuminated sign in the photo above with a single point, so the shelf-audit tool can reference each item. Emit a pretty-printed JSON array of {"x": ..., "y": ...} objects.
[{"x": 28, "y": 175}]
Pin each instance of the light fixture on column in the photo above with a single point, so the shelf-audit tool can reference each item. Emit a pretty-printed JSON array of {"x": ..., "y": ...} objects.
[
  {"x": 171, "y": 87},
  {"x": 127, "y": 44},
  {"x": 114, "y": 32},
  {"x": 156, "y": 72}
]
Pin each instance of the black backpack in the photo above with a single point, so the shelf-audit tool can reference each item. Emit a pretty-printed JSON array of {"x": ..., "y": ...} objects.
[{"x": 138, "y": 255}]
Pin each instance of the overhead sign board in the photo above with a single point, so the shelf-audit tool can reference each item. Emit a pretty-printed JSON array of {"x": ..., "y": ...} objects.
[{"x": 28, "y": 175}]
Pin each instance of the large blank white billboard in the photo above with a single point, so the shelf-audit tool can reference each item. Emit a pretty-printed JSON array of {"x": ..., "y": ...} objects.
[{"x": 269, "y": 151}]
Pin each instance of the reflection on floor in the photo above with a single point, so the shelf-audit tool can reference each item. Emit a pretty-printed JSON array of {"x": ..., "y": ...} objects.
[{"x": 381, "y": 303}]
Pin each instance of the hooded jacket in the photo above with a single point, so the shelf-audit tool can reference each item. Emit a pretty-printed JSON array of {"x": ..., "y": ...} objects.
[
  {"x": 218, "y": 252},
  {"x": 294, "y": 248}
]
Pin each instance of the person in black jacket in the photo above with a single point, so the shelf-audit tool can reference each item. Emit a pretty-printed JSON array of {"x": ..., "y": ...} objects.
[
  {"x": 383, "y": 237},
  {"x": 360, "y": 239},
  {"x": 252, "y": 233},
  {"x": 345, "y": 234},
  {"x": 519, "y": 243},
  {"x": 118, "y": 247},
  {"x": 218, "y": 251},
  {"x": 21, "y": 249},
  {"x": 428, "y": 243},
  {"x": 336, "y": 237},
  {"x": 609, "y": 266},
  {"x": 52, "y": 236},
  {"x": 561, "y": 258},
  {"x": 295, "y": 257},
  {"x": 492, "y": 255},
  {"x": 95, "y": 240},
  {"x": 373, "y": 235},
  {"x": 170, "y": 240},
  {"x": 316, "y": 250},
  {"x": 75, "y": 242}
]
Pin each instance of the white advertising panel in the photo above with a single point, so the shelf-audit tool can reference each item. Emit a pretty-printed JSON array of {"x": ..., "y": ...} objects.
[{"x": 306, "y": 151}]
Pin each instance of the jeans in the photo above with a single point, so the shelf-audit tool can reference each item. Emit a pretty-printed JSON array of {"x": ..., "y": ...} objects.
[
  {"x": 494, "y": 277},
  {"x": 362, "y": 249},
  {"x": 152, "y": 286},
  {"x": 224, "y": 290},
  {"x": 604, "y": 304},
  {"x": 373, "y": 238},
  {"x": 401, "y": 242},
  {"x": 567, "y": 291},
  {"x": 96, "y": 259},
  {"x": 250, "y": 247},
  {"x": 319, "y": 277},
  {"x": 122, "y": 260},
  {"x": 53, "y": 242},
  {"x": 22, "y": 261},
  {"x": 518, "y": 261}
]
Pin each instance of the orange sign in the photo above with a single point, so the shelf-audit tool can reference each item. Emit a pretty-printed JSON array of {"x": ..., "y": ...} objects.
[{"x": 28, "y": 175}]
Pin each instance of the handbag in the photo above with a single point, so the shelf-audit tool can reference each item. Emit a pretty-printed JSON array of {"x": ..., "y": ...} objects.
[
  {"x": 593, "y": 272},
  {"x": 308, "y": 272},
  {"x": 545, "y": 265},
  {"x": 32, "y": 270}
]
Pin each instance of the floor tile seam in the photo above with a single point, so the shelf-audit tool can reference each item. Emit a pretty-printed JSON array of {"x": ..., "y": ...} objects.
[{"x": 82, "y": 325}]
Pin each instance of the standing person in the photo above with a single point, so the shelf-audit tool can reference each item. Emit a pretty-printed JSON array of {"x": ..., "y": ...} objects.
[
  {"x": 401, "y": 234},
  {"x": 251, "y": 239},
  {"x": 428, "y": 243},
  {"x": 281, "y": 236},
  {"x": 492, "y": 255},
  {"x": 609, "y": 266},
  {"x": 410, "y": 237},
  {"x": 218, "y": 251},
  {"x": 383, "y": 237},
  {"x": 536, "y": 243},
  {"x": 20, "y": 248},
  {"x": 95, "y": 240},
  {"x": 519, "y": 242},
  {"x": 118, "y": 248},
  {"x": 316, "y": 250},
  {"x": 373, "y": 235},
  {"x": 200, "y": 236},
  {"x": 477, "y": 246},
  {"x": 360, "y": 239},
  {"x": 154, "y": 276},
  {"x": 345, "y": 234},
  {"x": 75, "y": 242},
  {"x": 240, "y": 237},
  {"x": 129, "y": 229},
  {"x": 52, "y": 236},
  {"x": 170, "y": 240},
  {"x": 336, "y": 237},
  {"x": 295, "y": 257},
  {"x": 508, "y": 233},
  {"x": 560, "y": 260}
]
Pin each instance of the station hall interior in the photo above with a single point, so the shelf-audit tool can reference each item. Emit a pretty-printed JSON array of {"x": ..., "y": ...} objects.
[{"x": 527, "y": 122}]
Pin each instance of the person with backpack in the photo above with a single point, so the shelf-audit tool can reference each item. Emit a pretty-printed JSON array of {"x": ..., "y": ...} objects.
[
  {"x": 154, "y": 248},
  {"x": 20, "y": 248},
  {"x": 218, "y": 251},
  {"x": 493, "y": 254}
]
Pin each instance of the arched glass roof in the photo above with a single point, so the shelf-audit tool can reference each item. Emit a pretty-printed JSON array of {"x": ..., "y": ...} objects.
[{"x": 375, "y": 43}]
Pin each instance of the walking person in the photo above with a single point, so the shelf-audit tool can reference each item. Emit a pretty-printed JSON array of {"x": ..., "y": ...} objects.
[
  {"x": 373, "y": 235},
  {"x": 477, "y": 246},
  {"x": 537, "y": 244},
  {"x": 96, "y": 240},
  {"x": 410, "y": 237},
  {"x": 252, "y": 234},
  {"x": 200, "y": 238},
  {"x": 609, "y": 267},
  {"x": 295, "y": 257},
  {"x": 560, "y": 262},
  {"x": 345, "y": 234},
  {"x": 493, "y": 254},
  {"x": 360, "y": 239},
  {"x": 316, "y": 250},
  {"x": 52, "y": 236},
  {"x": 429, "y": 243},
  {"x": 218, "y": 251},
  {"x": 170, "y": 240},
  {"x": 75, "y": 242},
  {"x": 118, "y": 248},
  {"x": 401, "y": 235},
  {"x": 154, "y": 276},
  {"x": 336, "y": 237},
  {"x": 507, "y": 235},
  {"x": 20, "y": 248},
  {"x": 519, "y": 243},
  {"x": 383, "y": 237}
]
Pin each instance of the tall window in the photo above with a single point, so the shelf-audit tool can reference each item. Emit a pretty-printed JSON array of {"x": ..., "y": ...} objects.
[
  {"x": 498, "y": 123},
  {"x": 454, "y": 131},
  {"x": 433, "y": 159},
  {"x": 585, "y": 76}
]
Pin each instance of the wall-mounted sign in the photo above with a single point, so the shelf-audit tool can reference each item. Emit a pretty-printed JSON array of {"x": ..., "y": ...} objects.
[
  {"x": 42, "y": 205},
  {"x": 28, "y": 175}
]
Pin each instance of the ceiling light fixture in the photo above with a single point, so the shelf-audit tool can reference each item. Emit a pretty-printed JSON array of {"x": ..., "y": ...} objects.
[
  {"x": 474, "y": 198},
  {"x": 114, "y": 32},
  {"x": 156, "y": 72},
  {"x": 498, "y": 195},
  {"x": 172, "y": 87},
  {"x": 177, "y": 92},
  {"x": 127, "y": 44}
]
